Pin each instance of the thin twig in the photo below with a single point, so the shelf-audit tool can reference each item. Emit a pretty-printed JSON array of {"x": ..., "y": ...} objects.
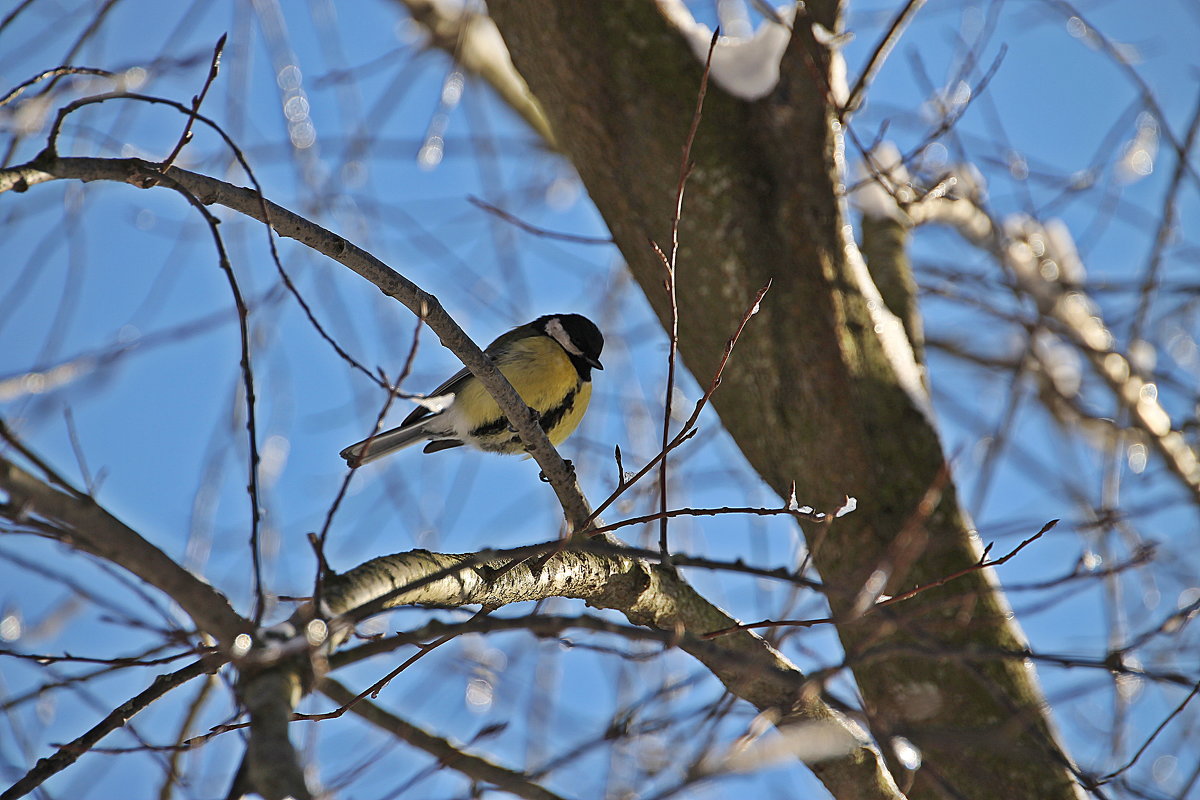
[
  {"x": 247, "y": 371},
  {"x": 882, "y": 50},
  {"x": 1162, "y": 725},
  {"x": 264, "y": 205},
  {"x": 685, "y": 170},
  {"x": 807, "y": 516},
  {"x": 374, "y": 689},
  {"x": 393, "y": 393},
  {"x": 197, "y": 100},
  {"x": 77, "y": 448},
  {"x": 688, "y": 430},
  {"x": 204, "y": 738},
  {"x": 534, "y": 229},
  {"x": 982, "y": 563},
  {"x": 57, "y": 72},
  {"x": 446, "y": 754},
  {"x": 70, "y": 752},
  {"x": 44, "y": 658}
]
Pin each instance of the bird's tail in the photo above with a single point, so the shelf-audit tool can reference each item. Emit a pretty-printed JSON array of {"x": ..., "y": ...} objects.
[{"x": 380, "y": 445}]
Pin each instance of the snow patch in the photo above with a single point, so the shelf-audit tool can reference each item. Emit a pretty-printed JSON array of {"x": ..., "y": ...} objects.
[
  {"x": 890, "y": 330},
  {"x": 885, "y": 180},
  {"x": 744, "y": 66}
]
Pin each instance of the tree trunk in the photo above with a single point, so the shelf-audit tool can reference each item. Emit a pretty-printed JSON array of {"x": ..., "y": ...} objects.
[{"x": 811, "y": 394}]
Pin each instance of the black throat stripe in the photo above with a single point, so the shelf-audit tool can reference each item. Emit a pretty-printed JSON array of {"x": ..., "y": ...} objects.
[{"x": 554, "y": 416}]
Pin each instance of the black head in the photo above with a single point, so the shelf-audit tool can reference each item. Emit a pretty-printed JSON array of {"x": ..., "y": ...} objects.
[{"x": 578, "y": 335}]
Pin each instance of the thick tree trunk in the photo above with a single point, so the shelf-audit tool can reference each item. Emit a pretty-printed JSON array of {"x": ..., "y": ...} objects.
[{"x": 810, "y": 395}]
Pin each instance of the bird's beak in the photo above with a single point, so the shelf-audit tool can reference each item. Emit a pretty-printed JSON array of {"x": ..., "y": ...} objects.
[{"x": 594, "y": 363}]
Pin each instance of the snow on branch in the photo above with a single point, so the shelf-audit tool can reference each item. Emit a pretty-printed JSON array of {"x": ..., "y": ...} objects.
[
  {"x": 1042, "y": 258},
  {"x": 744, "y": 66}
]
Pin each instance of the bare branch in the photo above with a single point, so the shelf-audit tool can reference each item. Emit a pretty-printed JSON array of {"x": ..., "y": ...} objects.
[
  {"x": 472, "y": 40},
  {"x": 474, "y": 767},
  {"x": 534, "y": 229},
  {"x": 57, "y": 72},
  {"x": 69, "y": 753},
  {"x": 197, "y": 101},
  {"x": 88, "y": 527},
  {"x": 889, "y": 601},
  {"x": 669, "y": 263},
  {"x": 289, "y": 225},
  {"x": 879, "y": 55},
  {"x": 654, "y": 597}
]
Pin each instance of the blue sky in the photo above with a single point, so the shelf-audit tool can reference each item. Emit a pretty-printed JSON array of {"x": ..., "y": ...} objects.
[{"x": 93, "y": 269}]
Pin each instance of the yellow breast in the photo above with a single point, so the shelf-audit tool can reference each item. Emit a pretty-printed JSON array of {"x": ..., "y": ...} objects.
[{"x": 547, "y": 381}]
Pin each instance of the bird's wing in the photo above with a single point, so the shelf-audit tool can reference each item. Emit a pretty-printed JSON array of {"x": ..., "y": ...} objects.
[
  {"x": 455, "y": 382},
  {"x": 453, "y": 385}
]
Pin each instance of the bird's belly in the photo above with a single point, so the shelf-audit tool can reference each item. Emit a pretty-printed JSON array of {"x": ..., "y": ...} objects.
[{"x": 539, "y": 375}]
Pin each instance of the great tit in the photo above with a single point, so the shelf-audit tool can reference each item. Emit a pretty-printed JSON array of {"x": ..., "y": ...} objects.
[{"x": 548, "y": 361}]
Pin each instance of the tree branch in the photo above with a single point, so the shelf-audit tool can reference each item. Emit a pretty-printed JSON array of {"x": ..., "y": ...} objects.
[
  {"x": 86, "y": 526},
  {"x": 137, "y": 172},
  {"x": 69, "y": 753},
  {"x": 648, "y": 595},
  {"x": 474, "y": 767}
]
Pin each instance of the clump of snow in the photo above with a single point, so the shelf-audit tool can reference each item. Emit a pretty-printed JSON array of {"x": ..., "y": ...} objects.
[
  {"x": 890, "y": 330},
  {"x": 848, "y": 507},
  {"x": 887, "y": 190},
  {"x": 810, "y": 742},
  {"x": 886, "y": 181},
  {"x": 745, "y": 66},
  {"x": 1060, "y": 361}
]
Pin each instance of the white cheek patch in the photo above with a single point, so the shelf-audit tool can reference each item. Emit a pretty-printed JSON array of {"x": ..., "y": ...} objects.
[{"x": 559, "y": 334}]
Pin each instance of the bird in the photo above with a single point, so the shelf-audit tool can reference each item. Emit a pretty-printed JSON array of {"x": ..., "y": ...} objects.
[{"x": 549, "y": 361}]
